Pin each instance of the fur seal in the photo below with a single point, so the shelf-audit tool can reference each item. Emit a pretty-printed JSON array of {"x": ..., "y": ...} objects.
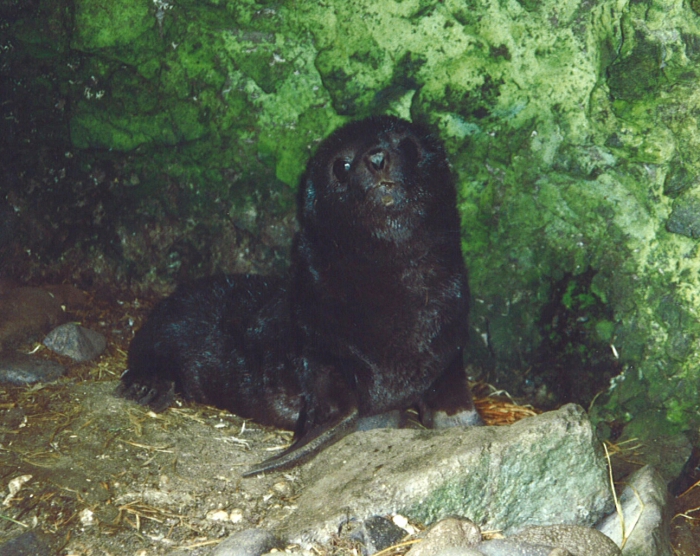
[
  {"x": 224, "y": 341},
  {"x": 371, "y": 320}
]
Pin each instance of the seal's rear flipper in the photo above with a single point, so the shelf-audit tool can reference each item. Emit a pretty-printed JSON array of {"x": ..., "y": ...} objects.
[{"x": 308, "y": 445}]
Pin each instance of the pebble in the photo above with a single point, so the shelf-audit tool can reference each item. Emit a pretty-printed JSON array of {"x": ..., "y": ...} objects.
[
  {"x": 463, "y": 551},
  {"x": 446, "y": 534},
  {"x": 249, "y": 542},
  {"x": 376, "y": 533},
  {"x": 579, "y": 540},
  {"x": 510, "y": 547},
  {"x": 23, "y": 369},
  {"x": 76, "y": 342},
  {"x": 218, "y": 515}
]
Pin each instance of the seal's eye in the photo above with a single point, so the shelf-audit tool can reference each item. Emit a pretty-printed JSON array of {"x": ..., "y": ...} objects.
[{"x": 341, "y": 169}]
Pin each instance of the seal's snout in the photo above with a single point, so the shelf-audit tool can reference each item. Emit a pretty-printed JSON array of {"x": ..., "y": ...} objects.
[{"x": 377, "y": 160}]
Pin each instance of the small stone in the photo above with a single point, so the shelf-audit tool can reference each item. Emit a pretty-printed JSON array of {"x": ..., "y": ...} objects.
[
  {"x": 401, "y": 521},
  {"x": 164, "y": 482},
  {"x": 236, "y": 515},
  {"x": 511, "y": 547},
  {"x": 23, "y": 369},
  {"x": 218, "y": 515},
  {"x": 283, "y": 488},
  {"x": 249, "y": 542},
  {"x": 76, "y": 342},
  {"x": 377, "y": 533},
  {"x": 579, "y": 540},
  {"x": 461, "y": 552},
  {"x": 448, "y": 533},
  {"x": 87, "y": 518}
]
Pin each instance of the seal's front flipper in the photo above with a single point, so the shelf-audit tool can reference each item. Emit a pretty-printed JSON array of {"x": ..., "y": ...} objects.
[
  {"x": 449, "y": 403},
  {"x": 308, "y": 445},
  {"x": 152, "y": 391}
]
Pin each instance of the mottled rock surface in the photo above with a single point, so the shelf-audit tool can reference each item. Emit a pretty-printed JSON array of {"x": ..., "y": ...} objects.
[
  {"x": 541, "y": 470},
  {"x": 375, "y": 533},
  {"x": 446, "y": 534},
  {"x": 76, "y": 342},
  {"x": 645, "y": 507},
  {"x": 21, "y": 369},
  {"x": 508, "y": 547},
  {"x": 579, "y": 541},
  {"x": 249, "y": 542}
]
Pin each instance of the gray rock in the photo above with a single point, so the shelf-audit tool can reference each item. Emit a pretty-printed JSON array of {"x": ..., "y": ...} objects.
[
  {"x": 23, "y": 369},
  {"x": 645, "y": 508},
  {"x": 459, "y": 552},
  {"x": 30, "y": 543},
  {"x": 510, "y": 547},
  {"x": 376, "y": 533},
  {"x": 76, "y": 342},
  {"x": 579, "y": 541},
  {"x": 541, "y": 470},
  {"x": 249, "y": 542},
  {"x": 447, "y": 534}
]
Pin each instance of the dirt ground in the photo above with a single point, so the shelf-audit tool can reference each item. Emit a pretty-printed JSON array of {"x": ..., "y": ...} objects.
[
  {"x": 115, "y": 479},
  {"x": 104, "y": 476}
]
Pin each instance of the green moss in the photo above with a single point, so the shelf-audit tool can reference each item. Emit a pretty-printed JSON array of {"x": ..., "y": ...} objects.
[
  {"x": 639, "y": 73},
  {"x": 110, "y": 23},
  {"x": 94, "y": 127},
  {"x": 605, "y": 329},
  {"x": 46, "y": 36}
]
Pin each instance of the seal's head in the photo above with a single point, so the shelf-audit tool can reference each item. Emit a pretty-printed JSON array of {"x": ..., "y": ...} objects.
[{"x": 381, "y": 177}]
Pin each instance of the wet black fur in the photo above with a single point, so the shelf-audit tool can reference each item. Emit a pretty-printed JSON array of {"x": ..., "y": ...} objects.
[{"x": 372, "y": 319}]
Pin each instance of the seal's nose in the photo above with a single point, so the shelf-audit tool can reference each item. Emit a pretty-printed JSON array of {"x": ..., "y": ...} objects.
[{"x": 377, "y": 160}]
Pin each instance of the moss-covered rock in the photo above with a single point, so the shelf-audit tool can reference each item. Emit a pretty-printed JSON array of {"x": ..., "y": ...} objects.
[{"x": 572, "y": 126}]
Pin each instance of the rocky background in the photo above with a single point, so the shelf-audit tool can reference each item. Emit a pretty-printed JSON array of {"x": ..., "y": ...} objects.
[{"x": 145, "y": 142}]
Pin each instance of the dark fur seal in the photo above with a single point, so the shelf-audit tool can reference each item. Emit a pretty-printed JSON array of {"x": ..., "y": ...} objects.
[
  {"x": 371, "y": 321},
  {"x": 223, "y": 341}
]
